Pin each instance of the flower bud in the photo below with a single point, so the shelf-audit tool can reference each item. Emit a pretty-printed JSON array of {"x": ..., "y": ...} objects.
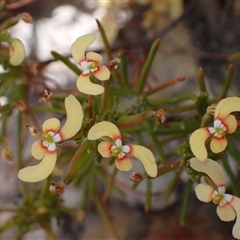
[
  {"x": 113, "y": 64},
  {"x": 47, "y": 97},
  {"x": 160, "y": 115},
  {"x": 20, "y": 105},
  {"x": 57, "y": 189},
  {"x": 26, "y": 17},
  {"x": 6, "y": 154},
  {"x": 33, "y": 130},
  {"x": 136, "y": 177}
]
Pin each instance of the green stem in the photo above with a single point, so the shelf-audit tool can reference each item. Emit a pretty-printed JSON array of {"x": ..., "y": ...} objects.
[
  {"x": 155, "y": 142},
  {"x": 90, "y": 108},
  {"x": 124, "y": 72},
  {"x": 165, "y": 85},
  {"x": 228, "y": 80},
  {"x": 143, "y": 75},
  {"x": 234, "y": 151},
  {"x": 79, "y": 159},
  {"x": 19, "y": 141},
  {"x": 105, "y": 216},
  {"x": 232, "y": 177},
  {"x": 105, "y": 95},
  {"x": 110, "y": 185},
  {"x": 148, "y": 196},
  {"x": 108, "y": 52},
  {"x": 185, "y": 203},
  {"x": 177, "y": 99},
  {"x": 201, "y": 80}
]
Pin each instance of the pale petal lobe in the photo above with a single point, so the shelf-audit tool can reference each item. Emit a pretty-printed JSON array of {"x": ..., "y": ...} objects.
[
  {"x": 218, "y": 145},
  {"x": 146, "y": 157},
  {"x": 79, "y": 46},
  {"x": 204, "y": 192},
  {"x": 123, "y": 164},
  {"x": 85, "y": 86},
  {"x": 74, "y": 119},
  {"x": 40, "y": 171},
  {"x": 104, "y": 148},
  {"x": 51, "y": 124},
  {"x": 17, "y": 52},
  {"x": 102, "y": 73},
  {"x": 226, "y": 213},
  {"x": 211, "y": 168},
  {"x": 37, "y": 150},
  {"x": 226, "y": 106},
  {"x": 102, "y": 129},
  {"x": 197, "y": 142}
]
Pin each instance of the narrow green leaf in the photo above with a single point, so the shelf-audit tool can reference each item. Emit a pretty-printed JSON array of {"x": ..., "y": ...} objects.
[
  {"x": 147, "y": 66},
  {"x": 185, "y": 203},
  {"x": 67, "y": 62},
  {"x": 124, "y": 70},
  {"x": 227, "y": 81}
]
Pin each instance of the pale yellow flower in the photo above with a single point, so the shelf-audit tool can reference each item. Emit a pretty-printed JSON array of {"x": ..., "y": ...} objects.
[
  {"x": 121, "y": 152},
  {"x": 46, "y": 148},
  {"x": 228, "y": 206},
  {"x": 89, "y": 64},
  {"x": 224, "y": 123}
]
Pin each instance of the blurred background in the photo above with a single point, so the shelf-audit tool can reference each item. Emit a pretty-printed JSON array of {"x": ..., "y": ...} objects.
[{"x": 193, "y": 34}]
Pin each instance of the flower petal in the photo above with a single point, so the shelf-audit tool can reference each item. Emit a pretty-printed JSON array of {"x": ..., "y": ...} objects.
[
  {"x": 236, "y": 228},
  {"x": 146, "y": 157},
  {"x": 102, "y": 73},
  {"x": 84, "y": 85},
  {"x": 79, "y": 46},
  {"x": 204, "y": 192},
  {"x": 40, "y": 171},
  {"x": 17, "y": 52},
  {"x": 231, "y": 123},
  {"x": 94, "y": 57},
  {"x": 226, "y": 106},
  {"x": 218, "y": 145},
  {"x": 37, "y": 150},
  {"x": 51, "y": 124},
  {"x": 197, "y": 143},
  {"x": 123, "y": 164},
  {"x": 226, "y": 213},
  {"x": 104, "y": 148},
  {"x": 74, "y": 118},
  {"x": 104, "y": 129},
  {"x": 211, "y": 168}
]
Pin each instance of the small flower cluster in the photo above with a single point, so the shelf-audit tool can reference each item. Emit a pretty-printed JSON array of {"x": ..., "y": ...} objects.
[
  {"x": 224, "y": 123},
  {"x": 45, "y": 149}
]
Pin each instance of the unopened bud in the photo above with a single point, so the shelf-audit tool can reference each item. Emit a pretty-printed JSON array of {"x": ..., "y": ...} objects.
[
  {"x": 211, "y": 110},
  {"x": 136, "y": 177},
  {"x": 33, "y": 130},
  {"x": 113, "y": 64},
  {"x": 26, "y": 17},
  {"x": 160, "y": 115},
  {"x": 6, "y": 154},
  {"x": 47, "y": 97},
  {"x": 57, "y": 189},
  {"x": 20, "y": 105}
]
